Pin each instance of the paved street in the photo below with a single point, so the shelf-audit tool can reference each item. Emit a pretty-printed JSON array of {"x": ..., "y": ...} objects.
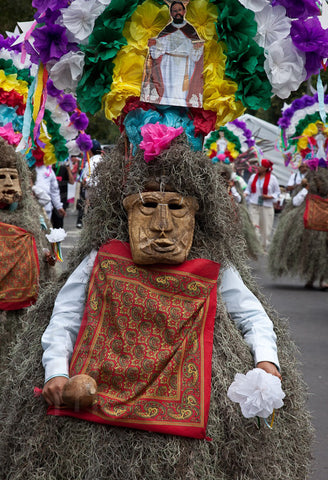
[{"x": 307, "y": 311}]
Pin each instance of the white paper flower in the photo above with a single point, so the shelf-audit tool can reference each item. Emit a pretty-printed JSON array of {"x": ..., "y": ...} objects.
[
  {"x": 56, "y": 235},
  {"x": 272, "y": 25},
  {"x": 69, "y": 132},
  {"x": 68, "y": 71},
  {"x": 284, "y": 67},
  {"x": 73, "y": 148},
  {"x": 79, "y": 18},
  {"x": 254, "y": 5},
  {"x": 258, "y": 393}
]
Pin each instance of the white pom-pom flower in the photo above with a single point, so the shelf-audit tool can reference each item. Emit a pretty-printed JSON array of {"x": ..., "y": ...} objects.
[
  {"x": 257, "y": 392},
  {"x": 56, "y": 235}
]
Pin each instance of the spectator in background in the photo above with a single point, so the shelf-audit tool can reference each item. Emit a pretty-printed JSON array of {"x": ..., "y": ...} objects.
[
  {"x": 296, "y": 177},
  {"x": 86, "y": 180},
  {"x": 47, "y": 181},
  {"x": 263, "y": 190},
  {"x": 64, "y": 177}
]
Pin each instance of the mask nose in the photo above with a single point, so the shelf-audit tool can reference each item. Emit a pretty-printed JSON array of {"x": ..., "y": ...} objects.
[
  {"x": 161, "y": 219},
  {"x": 8, "y": 181}
]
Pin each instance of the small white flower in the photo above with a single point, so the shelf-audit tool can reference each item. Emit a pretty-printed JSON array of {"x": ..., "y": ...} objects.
[
  {"x": 79, "y": 18},
  {"x": 258, "y": 393},
  {"x": 56, "y": 235},
  {"x": 285, "y": 67},
  {"x": 73, "y": 148},
  {"x": 68, "y": 71},
  {"x": 272, "y": 25}
]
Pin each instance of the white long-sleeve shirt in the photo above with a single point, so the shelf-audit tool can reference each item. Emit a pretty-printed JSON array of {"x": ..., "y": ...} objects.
[
  {"x": 47, "y": 181},
  {"x": 273, "y": 190},
  {"x": 300, "y": 197},
  {"x": 60, "y": 336}
]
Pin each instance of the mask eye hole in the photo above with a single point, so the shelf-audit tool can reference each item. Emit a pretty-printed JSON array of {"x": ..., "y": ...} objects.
[
  {"x": 175, "y": 206},
  {"x": 2, "y": 177},
  {"x": 150, "y": 204}
]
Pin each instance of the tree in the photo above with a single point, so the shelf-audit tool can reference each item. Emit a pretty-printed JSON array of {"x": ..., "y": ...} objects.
[{"x": 13, "y": 11}]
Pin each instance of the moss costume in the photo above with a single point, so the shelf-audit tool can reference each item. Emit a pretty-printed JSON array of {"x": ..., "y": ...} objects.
[
  {"x": 295, "y": 250},
  {"x": 34, "y": 445}
]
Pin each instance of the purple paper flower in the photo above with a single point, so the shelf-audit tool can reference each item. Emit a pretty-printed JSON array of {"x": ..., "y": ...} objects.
[
  {"x": 67, "y": 103},
  {"x": 80, "y": 120},
  {"x": 52, "y": 90},
  {"x": 51, "y": 42},
  {"x": 313, "y": 63},
  {"x": 42, "y": 5},
  {"x": 309, "y": 36},
  {"x": 84, "y": 142},
  {"x": 299, "y": 9},
  {"x": 7, "y": 43},
  {"x": 48, "y": 17}
]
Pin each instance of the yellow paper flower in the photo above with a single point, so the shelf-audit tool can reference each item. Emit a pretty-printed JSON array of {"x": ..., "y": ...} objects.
[
  {"x": 127, "y": 79},
  {"x": 310, "y": 131},
  {"x": 203, "y": 16},
  {"x": 146, "y": 22},
  {"x": 10, "y": 82}
]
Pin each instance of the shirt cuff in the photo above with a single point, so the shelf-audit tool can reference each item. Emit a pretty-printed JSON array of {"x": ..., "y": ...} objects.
[{"x": 264, "y": 354}]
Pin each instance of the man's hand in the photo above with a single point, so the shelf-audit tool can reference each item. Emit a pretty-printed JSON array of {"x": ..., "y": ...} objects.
[
  {"x": 151, "y": 42},
  {"x": 269, "y": 368},
  {"x": 61, "y": 212},
  {"x": 53, "y": 390}
]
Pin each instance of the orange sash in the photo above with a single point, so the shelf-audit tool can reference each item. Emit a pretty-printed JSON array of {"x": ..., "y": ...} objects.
[
  {"x": 146, "y": 338},
  {"x": 19, "y": 268}
]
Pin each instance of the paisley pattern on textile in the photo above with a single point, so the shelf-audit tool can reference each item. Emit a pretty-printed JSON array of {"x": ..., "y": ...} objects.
[
  {"x": 146, "y": 338},
  {"x": 19, "y": 268},
  {"x": 316, "y": 213}
]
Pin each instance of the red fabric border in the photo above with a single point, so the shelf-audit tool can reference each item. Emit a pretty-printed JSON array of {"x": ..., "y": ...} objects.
[{"x": 200, "y": 268}]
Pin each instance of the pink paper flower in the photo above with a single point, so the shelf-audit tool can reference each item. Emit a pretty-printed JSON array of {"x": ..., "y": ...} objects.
[
  {"x": 157, "y": 137},
  {"x": 7, "y": 132}
]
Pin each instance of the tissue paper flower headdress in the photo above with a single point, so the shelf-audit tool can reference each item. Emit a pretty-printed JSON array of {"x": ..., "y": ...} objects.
[
  {"x": 250, "y": 50},
  {"x": 304, "y": 132},
  {"x": 231, "y": 142},
  {"x": 36, "y": 117}
]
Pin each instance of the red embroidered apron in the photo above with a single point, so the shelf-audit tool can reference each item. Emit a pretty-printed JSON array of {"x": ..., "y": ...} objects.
[
  {"x": 19, "y": 268},
  {"x": 146, "y": 338}
]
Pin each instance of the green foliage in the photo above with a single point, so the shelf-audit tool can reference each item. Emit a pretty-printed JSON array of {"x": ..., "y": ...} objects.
[
  {"x": 105, "y": 131},
  {"x": 13, "y": 11}
]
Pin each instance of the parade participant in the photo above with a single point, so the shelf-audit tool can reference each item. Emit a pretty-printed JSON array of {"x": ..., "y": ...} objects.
[
  {"x": 46, "y": 179},
  {"x": 64, "y": 176},
  {"x": 301, "y": 250},
  {"x": 297, "y": 177},
  {"x": 181, "y": 185},
  {"x": 23, "y": 262},
  {"x": 235, "y": 190},
  {"x": 300, "y": 243},
  {"x": 263, "y": 190}
]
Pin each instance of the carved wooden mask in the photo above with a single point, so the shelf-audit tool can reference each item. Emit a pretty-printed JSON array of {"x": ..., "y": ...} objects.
[
  {"x": 161, "y": 226},
  {"x": 10, "y": 190}
]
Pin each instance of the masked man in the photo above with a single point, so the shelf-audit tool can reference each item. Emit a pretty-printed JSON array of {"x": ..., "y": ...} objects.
[{"x": 150, "y": 311}]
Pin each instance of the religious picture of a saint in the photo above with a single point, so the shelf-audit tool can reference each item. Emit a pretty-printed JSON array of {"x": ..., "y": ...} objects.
[{"x": 173, "y": 73}]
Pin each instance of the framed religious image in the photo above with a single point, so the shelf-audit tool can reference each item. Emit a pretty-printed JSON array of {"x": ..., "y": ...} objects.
[{"x": 173, "y": 72}]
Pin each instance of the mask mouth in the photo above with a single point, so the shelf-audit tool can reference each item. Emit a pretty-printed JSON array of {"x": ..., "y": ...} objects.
[
  {"x": 163, "y": 245},
  {"x": 9, "y": 192}
]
